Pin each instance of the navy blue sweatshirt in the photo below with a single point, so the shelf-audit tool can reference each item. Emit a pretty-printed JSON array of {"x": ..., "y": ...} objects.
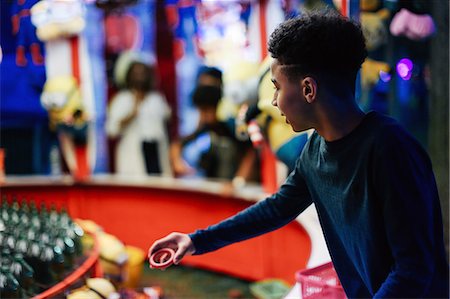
[{"x": 378, "y": 205}]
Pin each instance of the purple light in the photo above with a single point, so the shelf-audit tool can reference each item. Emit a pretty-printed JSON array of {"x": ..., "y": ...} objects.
[
  {"x": 404, "y": 68},
  {"x": 385, "y": 77}
]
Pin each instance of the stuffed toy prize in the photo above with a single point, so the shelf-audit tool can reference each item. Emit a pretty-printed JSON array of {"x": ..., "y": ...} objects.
[
  {"x": 240, "y": 86},
  {"x": 374, "y": 28},
  {"x": 95, "y": 288},
  {"x": 62, "y": 99},
  {"x": 370, "y": 72},
  {"x": 58, "y": 18},
  {"x": 413, "y": 26}
]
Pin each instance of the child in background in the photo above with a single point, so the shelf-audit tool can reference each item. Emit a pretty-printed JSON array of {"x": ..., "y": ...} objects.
[{"x": 226, "y": 157}]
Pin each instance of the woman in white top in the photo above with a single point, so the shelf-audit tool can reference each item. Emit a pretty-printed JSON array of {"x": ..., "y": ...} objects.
[{"x": 138, "y": 116}]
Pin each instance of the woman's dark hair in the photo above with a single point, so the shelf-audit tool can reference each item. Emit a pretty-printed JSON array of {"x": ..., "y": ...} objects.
[
  {"x": 206, "y": 96},
  {"x": 140, "y": 76},
  {"x": 321, "y": 42}
]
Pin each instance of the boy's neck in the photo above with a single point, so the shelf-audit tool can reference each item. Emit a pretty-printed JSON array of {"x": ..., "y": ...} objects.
[{"x": 337, "y": 121}]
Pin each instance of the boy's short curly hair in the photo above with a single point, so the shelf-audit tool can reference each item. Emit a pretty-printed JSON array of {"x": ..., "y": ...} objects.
[{"x": 322, "y": 42}]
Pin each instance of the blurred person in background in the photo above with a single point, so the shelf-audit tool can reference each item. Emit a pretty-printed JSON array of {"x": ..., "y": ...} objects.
[
  {"x": 224, "y": 157},
  {"x": 138, "y": 115}
]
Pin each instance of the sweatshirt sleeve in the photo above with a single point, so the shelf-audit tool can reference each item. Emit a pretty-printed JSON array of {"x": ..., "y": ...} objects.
[
  {"x": 262, "y": 217},
  {"x": 411, "y": 210}
]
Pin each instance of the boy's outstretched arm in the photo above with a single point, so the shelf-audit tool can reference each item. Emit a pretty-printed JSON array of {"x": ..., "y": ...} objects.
[
  {"x": 267, "y": 215},
  {"x": 262, "y": 217}
]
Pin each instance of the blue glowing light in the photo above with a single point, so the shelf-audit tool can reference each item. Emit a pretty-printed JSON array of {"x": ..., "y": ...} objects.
[{"x": 385, "y": 77}]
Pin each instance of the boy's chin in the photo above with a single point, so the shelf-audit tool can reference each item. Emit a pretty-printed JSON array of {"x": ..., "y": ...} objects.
[{"x": 297, "y": 128}]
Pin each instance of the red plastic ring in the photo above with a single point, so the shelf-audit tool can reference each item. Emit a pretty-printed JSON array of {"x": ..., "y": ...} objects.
[{"x": 162, "y": 258}]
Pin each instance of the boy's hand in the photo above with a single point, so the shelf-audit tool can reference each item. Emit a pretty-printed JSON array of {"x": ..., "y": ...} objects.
[{"x": 181, "y": 243}]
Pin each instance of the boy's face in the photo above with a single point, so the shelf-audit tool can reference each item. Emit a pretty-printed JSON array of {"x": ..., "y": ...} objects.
[{"x": 289, "y": 99}]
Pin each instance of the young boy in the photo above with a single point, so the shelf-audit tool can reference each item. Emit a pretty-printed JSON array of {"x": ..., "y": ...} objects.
[{"x": 371, "y": 182}]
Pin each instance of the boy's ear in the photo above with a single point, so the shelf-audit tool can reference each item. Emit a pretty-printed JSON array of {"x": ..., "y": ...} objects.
[{"x": 309, "y": 89}]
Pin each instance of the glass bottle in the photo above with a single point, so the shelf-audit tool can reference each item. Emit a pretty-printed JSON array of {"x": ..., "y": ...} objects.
[
  {"x": 2, "y": 231},
  {"x": 24, "y": 206},
  {"x": 33, "y": 208},
  {"x": 15, "y": 204},
  {"x": 21, "y": 244},
  {"x": 9, "y": 241},
  {"x": 43, "y": 213},
  {"x": 6, "y": 255},
  {"x": 24, "y": 273},
  {"x": 35, "y": 220},
  {"x": 58, "y": 263},
  {"x": 75, "y": 232},
  {"x": 5, "y": 215},
  {"x": 44, "y": 236},
  {"x": 64, "y": 219},
  {"x": 33, "y": 258},
  {"x": 67, "y": 247},
  {"x": 25, "y": 220},
  {"x": 31, "y": 234},
  {"x": 9, "y": 286},
  {"x": 14, "y": 218},
  {"x": 5, "y": 205},
  {"x": 53, "y": 215},
  {"x": 45, "y": 274}
]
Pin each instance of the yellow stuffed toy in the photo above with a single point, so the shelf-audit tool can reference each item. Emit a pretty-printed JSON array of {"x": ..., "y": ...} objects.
[
  {"x": 62, "y": 99},
  {"x": 369, "y": 5},
  {"x": 370, "y": 72},
  {"x": 95, "y": 288},
  {"x": 374, "y": 28},
  {"x": 113, "y": 257},
  {"x": 311, "y": 5},
  {"x": 240, "y": 82},
  {"x": 372, "y": 22}
]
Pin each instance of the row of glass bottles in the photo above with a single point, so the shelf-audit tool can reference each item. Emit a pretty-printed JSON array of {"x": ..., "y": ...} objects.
[{"x": 38, "y": 247}]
